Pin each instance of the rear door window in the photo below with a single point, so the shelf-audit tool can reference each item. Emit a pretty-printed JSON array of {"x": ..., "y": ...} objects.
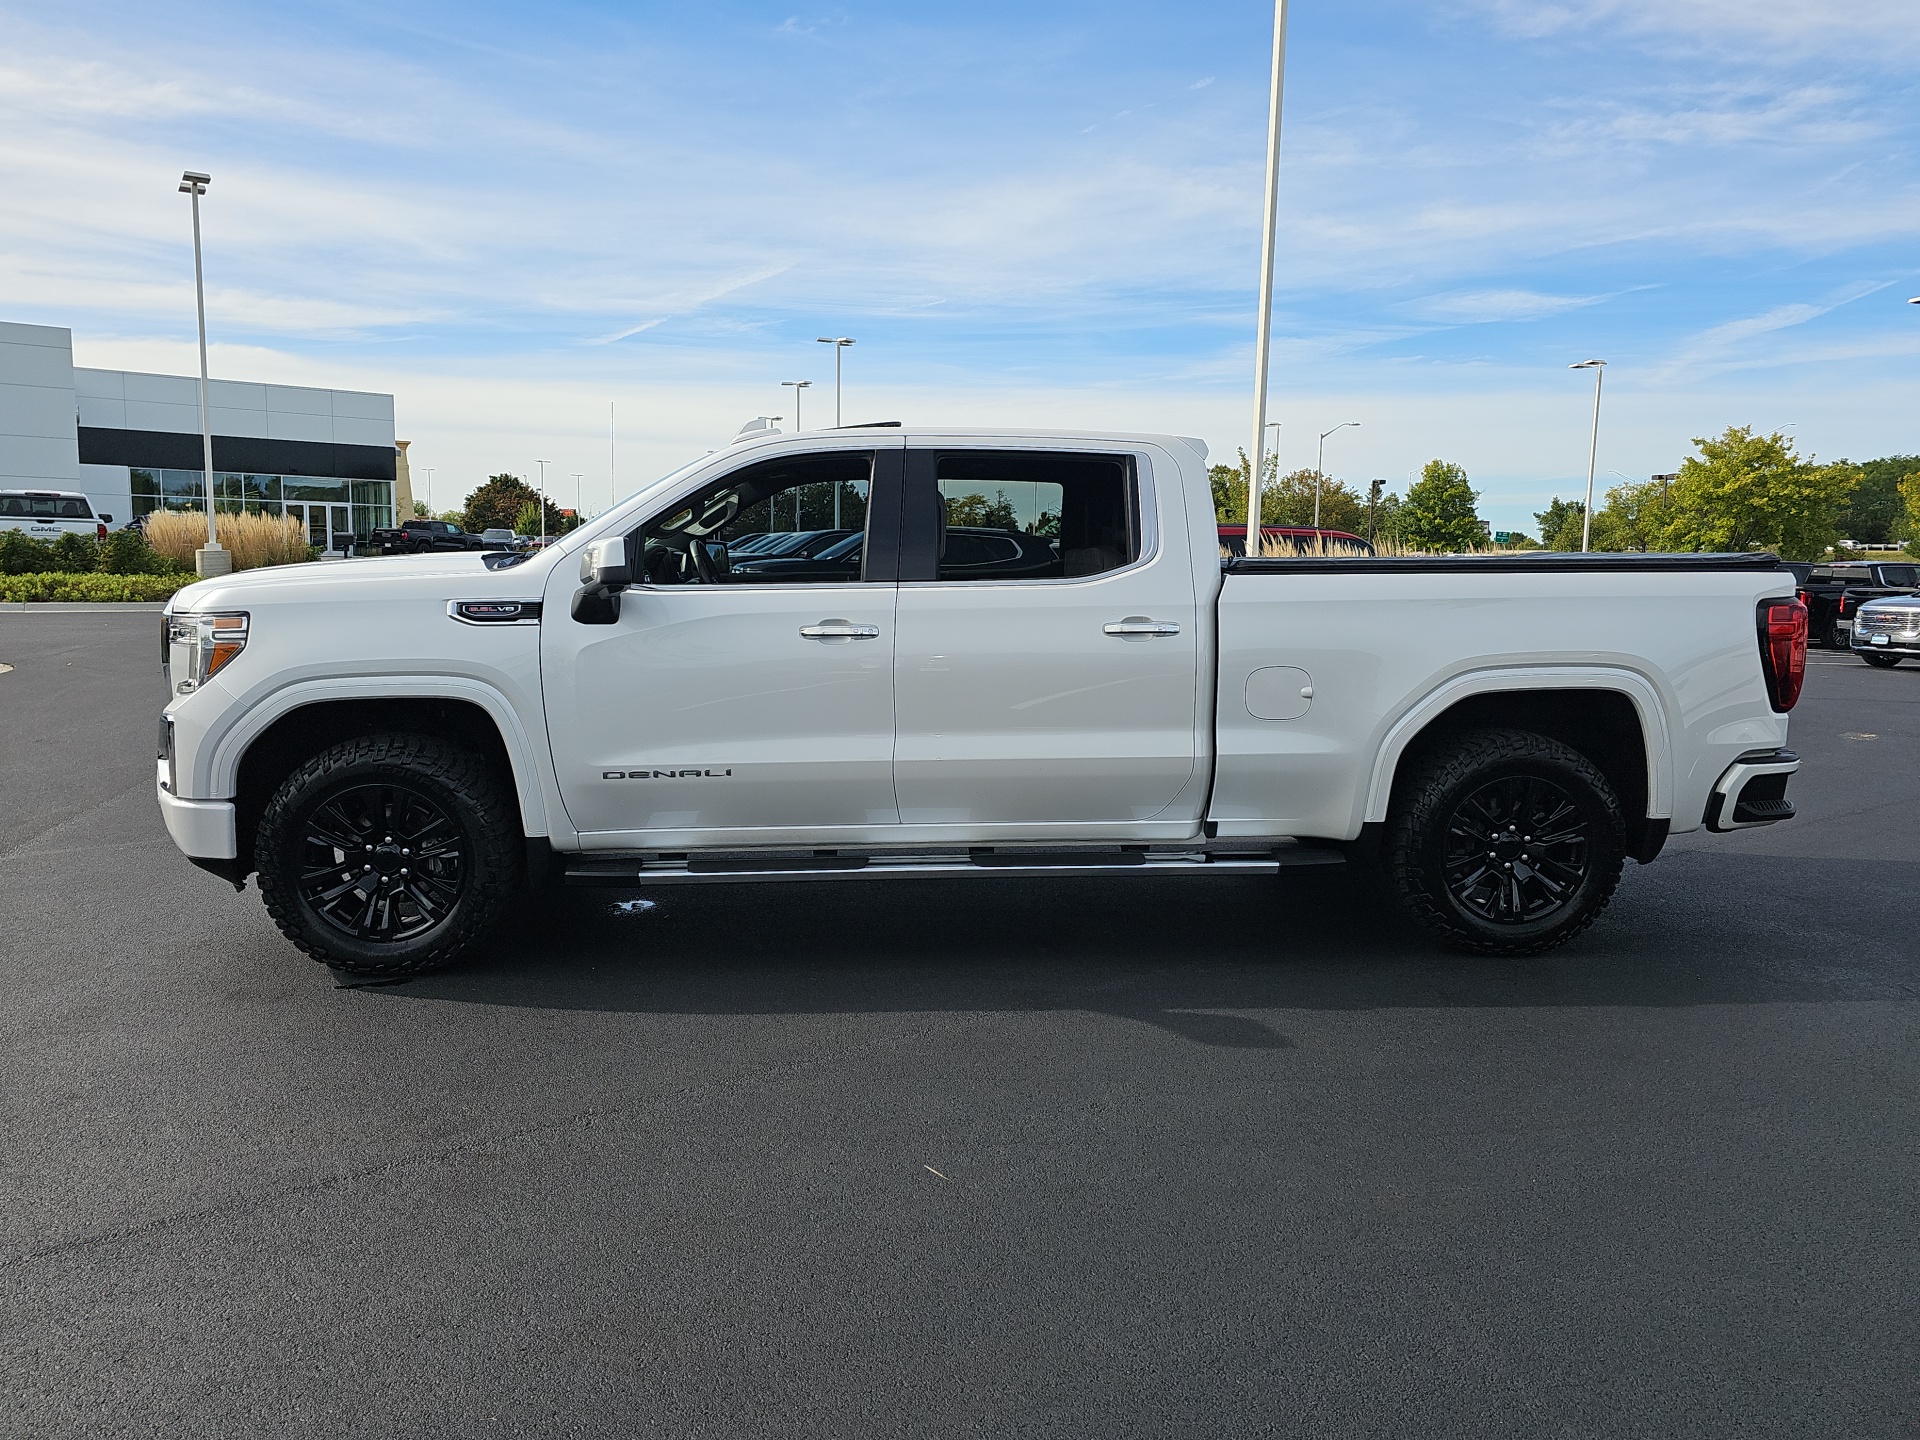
[{"x": 999, "y": 515}]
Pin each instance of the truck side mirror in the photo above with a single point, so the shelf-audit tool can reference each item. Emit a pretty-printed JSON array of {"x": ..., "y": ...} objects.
[
  {"x": 603, "y": 565},
  {"x": 604, "y": 573}
]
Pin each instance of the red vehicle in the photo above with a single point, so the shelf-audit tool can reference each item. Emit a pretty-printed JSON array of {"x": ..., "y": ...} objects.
[{"x": 1303, "y": 538}]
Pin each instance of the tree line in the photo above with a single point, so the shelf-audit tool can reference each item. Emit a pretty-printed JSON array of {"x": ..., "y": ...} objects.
[
  {"x": 1738, "y": 491},
  {"x": 505, "y": 502}
]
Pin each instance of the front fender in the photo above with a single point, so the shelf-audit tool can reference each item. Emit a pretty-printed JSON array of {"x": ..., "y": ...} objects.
[{"x": 218, "y": 765}]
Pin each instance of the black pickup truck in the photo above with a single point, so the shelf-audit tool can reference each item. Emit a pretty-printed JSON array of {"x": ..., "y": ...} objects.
[
  {"x": 419, "y": 537},
  {"x": 1832, "y": 593}
]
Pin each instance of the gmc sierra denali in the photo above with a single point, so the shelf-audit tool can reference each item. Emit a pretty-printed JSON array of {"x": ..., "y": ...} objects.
[{"x": 1027, "y": 655}]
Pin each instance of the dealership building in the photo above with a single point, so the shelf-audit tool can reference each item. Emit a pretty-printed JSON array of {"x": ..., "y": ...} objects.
[{"x": 132, "y": 442}]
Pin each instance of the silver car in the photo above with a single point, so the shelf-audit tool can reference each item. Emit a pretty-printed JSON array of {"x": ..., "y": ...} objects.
[{"x": 1887, "y": 631}]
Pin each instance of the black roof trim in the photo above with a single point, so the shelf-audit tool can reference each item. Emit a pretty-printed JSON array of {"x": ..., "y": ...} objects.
[
  {"x": 1525, "y": 563},
  {"x": 871, "y": 425}
]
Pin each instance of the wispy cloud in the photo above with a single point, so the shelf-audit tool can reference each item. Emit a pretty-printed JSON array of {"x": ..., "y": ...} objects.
[{"x": 1482, "y": 306}]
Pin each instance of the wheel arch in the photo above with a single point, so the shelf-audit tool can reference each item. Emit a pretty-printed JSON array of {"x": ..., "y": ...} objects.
[
  {"x": 1613, "y": 717},
  {"x": 250, "y": 762}
]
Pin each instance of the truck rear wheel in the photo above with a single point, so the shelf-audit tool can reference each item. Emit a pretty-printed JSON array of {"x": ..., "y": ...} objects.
[
  {"x": 387, "y": 854},
  {"x": 1506, "y": 843}
]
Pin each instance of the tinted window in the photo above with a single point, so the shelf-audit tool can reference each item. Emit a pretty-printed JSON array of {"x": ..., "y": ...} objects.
[
  {"x": 45, "y": 507},
  {"x": 1897, "y": 575},
  {"x": 797, "y": 521},
  {"x": 1014, "y": 516}
]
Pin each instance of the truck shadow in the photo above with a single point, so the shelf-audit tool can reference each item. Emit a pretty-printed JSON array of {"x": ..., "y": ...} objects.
[{"x": 1191, "y": 957}]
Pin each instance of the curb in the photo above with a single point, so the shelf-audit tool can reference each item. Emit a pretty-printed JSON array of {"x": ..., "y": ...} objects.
[{"x": 68, "y": 607}]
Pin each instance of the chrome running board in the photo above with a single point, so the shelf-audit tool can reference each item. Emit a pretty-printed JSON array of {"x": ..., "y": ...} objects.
[{"x": 674, "y": 869}]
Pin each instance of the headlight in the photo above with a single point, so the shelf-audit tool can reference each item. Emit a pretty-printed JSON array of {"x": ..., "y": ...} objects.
[{"x": 200, "y": 645}]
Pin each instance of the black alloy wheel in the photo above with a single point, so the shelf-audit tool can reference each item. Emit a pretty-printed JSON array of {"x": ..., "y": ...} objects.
[
  {"x": 1517, "y": 850},
  {"x": 1504, "y": 842},
  {"x": 382, "y": 862},
  {"x": 386, "y": 855}
]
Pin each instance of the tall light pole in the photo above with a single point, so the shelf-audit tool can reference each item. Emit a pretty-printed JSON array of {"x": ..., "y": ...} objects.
[
  {"x": 576, "y": 497},
  {"x": 1599, "y": 368},
  {"x": 430, "y": 489},
  {"x": 1263, "y": 340},
  {"x": 1319, "y": 467},
  {"x": 839, "y": 344},
  {"x": 212, "y": 560},
  {"x": 797, "y": 386},
  {"x": 609, "y": 454},
  {"x": 543, "y": 498}
]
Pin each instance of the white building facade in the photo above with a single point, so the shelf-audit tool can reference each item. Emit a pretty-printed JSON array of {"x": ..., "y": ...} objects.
[{"x": 132, "y": 441}]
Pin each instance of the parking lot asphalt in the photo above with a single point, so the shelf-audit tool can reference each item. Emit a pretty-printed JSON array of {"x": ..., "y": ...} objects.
[{"x": 1004, "y": 1158}]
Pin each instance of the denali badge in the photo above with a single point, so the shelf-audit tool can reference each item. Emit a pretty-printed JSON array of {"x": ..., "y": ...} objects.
[{"x": 665, "y": 774}]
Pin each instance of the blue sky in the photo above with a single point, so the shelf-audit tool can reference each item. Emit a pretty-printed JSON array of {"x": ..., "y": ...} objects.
[{"x": 510, "y": 216}]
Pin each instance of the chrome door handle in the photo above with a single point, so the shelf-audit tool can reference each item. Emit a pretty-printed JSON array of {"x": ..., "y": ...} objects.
[
  {"x": 1141, "y": 625},
  {"x": 840, "y": 630}
]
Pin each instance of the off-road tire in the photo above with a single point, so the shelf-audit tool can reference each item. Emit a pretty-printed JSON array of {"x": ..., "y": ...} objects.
[
  {"x": 1879, "y": 662},
  {"x": 470, "y": 793},
  {"x": 1429, "y": 806}
]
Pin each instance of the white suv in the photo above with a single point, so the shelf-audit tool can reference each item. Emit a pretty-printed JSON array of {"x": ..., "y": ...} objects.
[{"x": 49, "y": 514}]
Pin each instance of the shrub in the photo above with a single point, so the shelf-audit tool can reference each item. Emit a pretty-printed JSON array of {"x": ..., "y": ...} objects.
[
  {"x": 126, "y": 552},
  {"x": 21, "y": 554},
  {"x": 60, "y": 585}
]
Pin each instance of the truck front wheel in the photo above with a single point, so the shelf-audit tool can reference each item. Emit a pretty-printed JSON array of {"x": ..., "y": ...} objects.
[
  {"x": 1506, "y": 842},
  {"x": 386, "y": 855}
]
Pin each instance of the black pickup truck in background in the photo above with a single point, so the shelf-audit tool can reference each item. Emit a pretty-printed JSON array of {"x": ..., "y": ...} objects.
[
  {"x": 420, "y": 537},
  {"x": 1832, "y": 593}
]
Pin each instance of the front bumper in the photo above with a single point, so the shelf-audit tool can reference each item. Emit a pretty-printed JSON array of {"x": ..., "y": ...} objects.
[
  {"x": 1752, "y": 792},
  {"x": 1884, "y": 644},
  {"x": 203, "y": 829}
]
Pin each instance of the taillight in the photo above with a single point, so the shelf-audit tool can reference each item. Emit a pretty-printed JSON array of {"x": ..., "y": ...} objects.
[
  {"x": 99, "y": 532},
  {"x": 1783, "y": 650}
]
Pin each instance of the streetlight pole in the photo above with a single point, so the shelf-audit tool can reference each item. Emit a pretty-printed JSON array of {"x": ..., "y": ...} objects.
[
  {"x": 1262, "y": 345},
  {"x": 797, "y": 386},
  {"x": 1599, "y": 368},
  {"x": 576, "y": 497},
  {"x": 212, "y": 560},
  {"x": 543, "y": 499},
  {"x": 430, "y": 470},
  {"x": 839, "y": 344},
  {"x": 1319, "y": 467}
]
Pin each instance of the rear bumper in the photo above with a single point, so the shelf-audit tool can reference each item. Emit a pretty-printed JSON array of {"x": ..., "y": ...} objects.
[
  {"x": 203, "y": 829},
  {"x": 1752, "y": 792}
]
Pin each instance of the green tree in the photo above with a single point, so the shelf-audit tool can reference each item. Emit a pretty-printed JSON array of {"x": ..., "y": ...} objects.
[
  {"x": 1560, "y": 524},
  {"x": 1286, "y": 499},
  {"x": 1439, "y": 513},
  {"x": 1909, "y": 489},
  {"x": 1753, "y": 492},
  {"x": 498, "y": 505},
  {"x": 979, "y": 512},
  {"x": 1876, "y": 511},
  {"x": 420, "y": 510}
]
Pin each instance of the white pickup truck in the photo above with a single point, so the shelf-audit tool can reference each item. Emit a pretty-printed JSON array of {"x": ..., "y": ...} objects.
[{"x": 1018, "y": 654}]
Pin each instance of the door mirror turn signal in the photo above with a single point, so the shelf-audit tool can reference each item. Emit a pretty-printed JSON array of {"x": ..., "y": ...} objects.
[{"x": 604, "y": 573}]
